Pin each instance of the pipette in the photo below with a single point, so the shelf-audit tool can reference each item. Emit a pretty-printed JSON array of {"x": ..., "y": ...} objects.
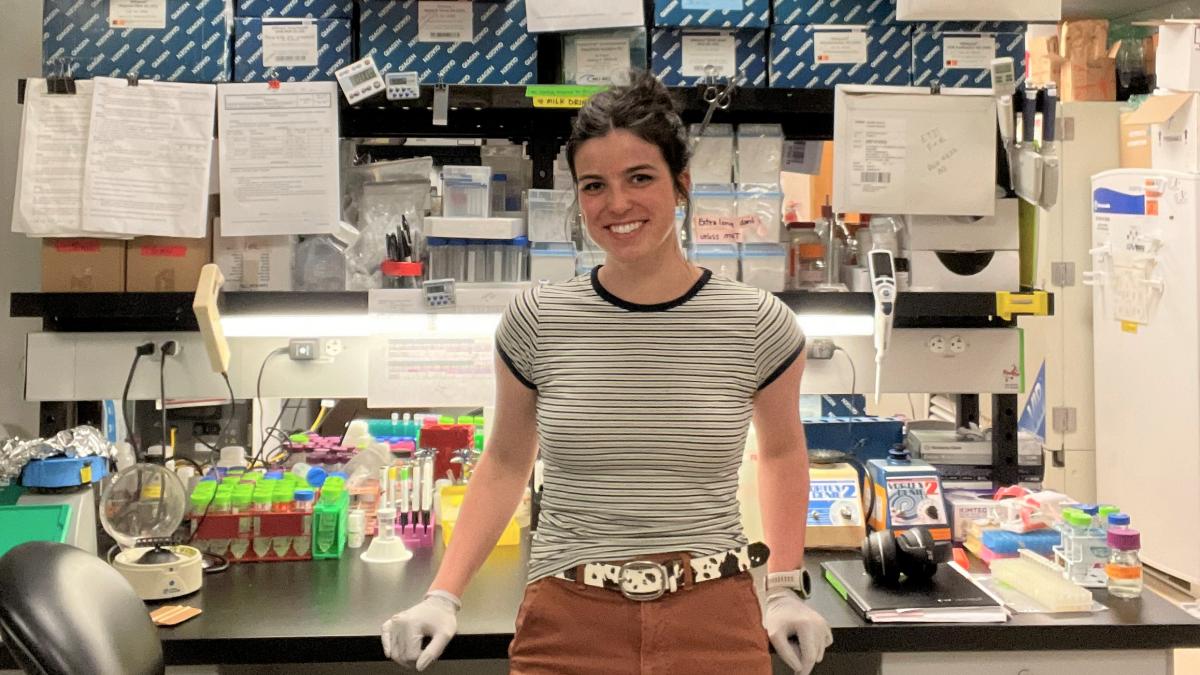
[
  {"x": 427, "y": 492},
  {"x": 415, "y": 497},
  {"x": 883, "y": 287},
  {"x": 404, "y": 501}
]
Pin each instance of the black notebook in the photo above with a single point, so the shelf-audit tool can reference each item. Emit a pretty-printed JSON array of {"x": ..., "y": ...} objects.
[{"x": 949, "y": 597}]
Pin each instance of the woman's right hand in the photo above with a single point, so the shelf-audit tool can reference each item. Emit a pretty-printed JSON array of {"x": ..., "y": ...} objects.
[{"x": 435, "y": 617}]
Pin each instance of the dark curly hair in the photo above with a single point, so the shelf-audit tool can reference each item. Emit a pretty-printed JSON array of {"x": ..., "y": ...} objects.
[{"x": 642, "y": 107}]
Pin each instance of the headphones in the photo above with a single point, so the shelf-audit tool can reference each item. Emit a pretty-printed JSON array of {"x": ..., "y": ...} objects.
[{"x": 912, "y": 554}]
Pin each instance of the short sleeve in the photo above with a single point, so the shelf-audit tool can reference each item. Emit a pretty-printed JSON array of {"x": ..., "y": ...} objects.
[
  {"x": 778, "y": 340},
  {"x": 517, "y": 335}
]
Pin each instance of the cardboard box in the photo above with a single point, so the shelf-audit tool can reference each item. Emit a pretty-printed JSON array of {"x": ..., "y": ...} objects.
[
  {"x": 1174, "y": 122},
  {"x": 962, "y": 59},
  {"x": 502, "y": 52},
  {"x": 310, "y": 9},
  {"x": 974, "y": 10},
  {"x": 964, "y": 272},
  {"x": 83, "y": 265},
  {"x": 745, "y": 50},
  {"x": 1078, "y": 59},
  {"x": 188, "y": 42},
  {"x": 165, "y": 264},
  {"x": 701, "y": 13},
  {"x": 827, "y": 55},
  {"x": 904, "y": 150},
  {"x": 1135, "y": 144},
  {"x": 255, "y": 263},
  {"x": 1177, "y": 58},
  {"x": 316, "y": 47},
  {"x": 999, "y": 232},
  {"x": 857, "y": 12}
]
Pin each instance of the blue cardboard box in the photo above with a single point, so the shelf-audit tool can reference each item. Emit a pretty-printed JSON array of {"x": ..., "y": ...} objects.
[
  {"x": 667, "y": 46},
  {"x": 318, "y": 53},
  {"x": 864, "y": 437},
  {"x": 712, "y": 13},
  {"x": 963, "y": 59},
  {"x": 860, "y": 12},
  {"x": 503, "y": 51},
  {"x": 189, "y": 42},
  {"x": 823, "y": 56},
  {"x": 308, "y": 9}
]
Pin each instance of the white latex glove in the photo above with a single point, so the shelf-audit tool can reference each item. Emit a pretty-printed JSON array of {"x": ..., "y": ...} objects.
[
  {"x": 435, "y": 617},
  {"x": 787, "y": 617}
]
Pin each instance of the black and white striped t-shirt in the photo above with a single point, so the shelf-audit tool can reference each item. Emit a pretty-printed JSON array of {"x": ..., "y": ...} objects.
[{"x": 642, "y": 412}]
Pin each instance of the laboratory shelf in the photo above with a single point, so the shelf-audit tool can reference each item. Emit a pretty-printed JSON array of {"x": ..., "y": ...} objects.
[{"x": 116, "y": 312}]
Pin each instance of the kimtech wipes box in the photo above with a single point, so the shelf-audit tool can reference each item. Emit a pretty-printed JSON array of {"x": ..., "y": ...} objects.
[
  {"x": 290, "y": 50},
  {"x": 451, "y": 42},
  {"x": 309, "y": 9},
  {"x": 963, "y": 59},
  {"x": 681, "y": 57},
  {"x": 172, "y": 40},
  {"x": 827, "y": 55},
  {"x": 712, "y": 13}
]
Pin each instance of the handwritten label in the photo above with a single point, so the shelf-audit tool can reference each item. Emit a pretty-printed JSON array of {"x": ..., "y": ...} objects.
[
  {"x": 445, "y": 21},
  {"x": 975, "y": 52},
  {"x": 717, "y": 229},
  {"x": 560, "y": 96},
  {"x": 137, "y": 14},
  {"x": 291, "y": 45},
  {"x": 938, "y": 152}
]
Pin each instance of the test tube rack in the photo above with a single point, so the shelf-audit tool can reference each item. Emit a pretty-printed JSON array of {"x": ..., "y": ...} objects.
[{"x": 256, "y": 536}]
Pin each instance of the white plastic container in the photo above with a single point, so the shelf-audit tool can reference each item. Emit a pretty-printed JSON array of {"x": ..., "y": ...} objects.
[
  {"x": 712, "y": 157},
  {"x": 759, "y": 153},
  {"x": 548, "y": 212},
  {"x": 759, "y": 213},
  {"x": 714, "y": 213},
  {"x": 722, "y": 259},
  {"x": 764, "y": 266},
  {"x": 551, "y": 261},
  {"x": 466, "y": 191}
]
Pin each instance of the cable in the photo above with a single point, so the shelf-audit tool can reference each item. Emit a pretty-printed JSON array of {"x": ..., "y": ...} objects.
[
  {"x": 162, "y": 390},
  {"x": 258, "y": 396},
  {"x": 232, "y": 404},
  {"x": 144, "y": 349},
  {"x": 853, "y": 370}
]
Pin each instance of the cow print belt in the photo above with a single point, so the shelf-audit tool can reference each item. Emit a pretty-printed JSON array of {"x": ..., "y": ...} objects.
[{"x": 648, "y": 580}]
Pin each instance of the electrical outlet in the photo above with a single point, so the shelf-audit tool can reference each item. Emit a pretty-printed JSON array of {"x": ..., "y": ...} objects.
[
  {"x": 821, "y": 349},
  {"x": 957, "y": 344},
  {"x": 166, "y": 349},
  {"x": 937, "y": 344},
  {"x": 304, "y": 349},
  {"x": 331, "y": 347}
]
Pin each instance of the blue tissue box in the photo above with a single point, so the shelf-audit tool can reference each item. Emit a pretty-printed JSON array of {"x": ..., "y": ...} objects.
[
  {"x": 309, "y": 9},
  {"x": 503, "y": 51},
  {"x": 192, "y": 44},
  {"x": 823, "y": 56},
  {"x": 712, "y": 13},
  {"x": 62, "y": 472},
  {"x": 865, "y": 437},
  {"x": 860, "y": 12},
  {"x": 750, "y": 55},
  {"x": 959, "y": 59},
  {"x": 332, "y": 50}
]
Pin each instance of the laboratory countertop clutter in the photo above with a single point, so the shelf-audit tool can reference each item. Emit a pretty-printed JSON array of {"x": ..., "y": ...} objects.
[{"x": 272, "y": 304}]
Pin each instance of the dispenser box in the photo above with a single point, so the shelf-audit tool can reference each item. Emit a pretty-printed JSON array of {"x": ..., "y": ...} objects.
[
  {"x": 964, "y": 272},
  {"x": 999, "y": 232},
  {"x": 494, "y": 48},
  {"x": 713, "y": 13},
  {"x": 856, "y": 12},
  {"x": 679, "y": 57},
  {"x": 171, "y": 40},
  {"x": 823, "y": 56},
  {"x": 1173, "y": 121},
  {"x": 290, "y": 50},
  {"x": 309, "y": 9}
]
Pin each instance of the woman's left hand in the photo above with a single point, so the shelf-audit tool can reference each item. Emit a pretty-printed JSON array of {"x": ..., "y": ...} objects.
[{"x": 799, "y": 633}]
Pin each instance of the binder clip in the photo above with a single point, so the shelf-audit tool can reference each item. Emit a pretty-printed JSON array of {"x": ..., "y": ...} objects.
[
  {"x": 272, "y": 79},
  {"x": 131, "y": 79},
  {"x": 935, "y": 87},
  {"x": 62, "y": 82}
]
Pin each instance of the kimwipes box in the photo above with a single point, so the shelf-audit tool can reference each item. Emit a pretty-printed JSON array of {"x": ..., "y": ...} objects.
[{"x": 83, "y": 265}]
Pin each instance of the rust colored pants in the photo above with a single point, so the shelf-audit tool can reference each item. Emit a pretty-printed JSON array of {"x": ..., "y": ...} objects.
[{"x": 566, "y": 628}]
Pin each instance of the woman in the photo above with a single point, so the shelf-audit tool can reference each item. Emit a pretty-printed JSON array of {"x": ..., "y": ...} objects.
[{"x": 638, "y": 383}]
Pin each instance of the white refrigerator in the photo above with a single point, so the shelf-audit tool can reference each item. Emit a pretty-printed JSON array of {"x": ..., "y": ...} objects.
[{"x": 1147, "y": 359}]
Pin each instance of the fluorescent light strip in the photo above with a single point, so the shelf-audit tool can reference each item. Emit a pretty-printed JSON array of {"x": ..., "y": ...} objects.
[{"x": 362, "y": 325}]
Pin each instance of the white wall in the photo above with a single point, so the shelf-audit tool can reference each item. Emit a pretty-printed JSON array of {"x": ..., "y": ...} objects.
[{"x": 20, "y": 266}]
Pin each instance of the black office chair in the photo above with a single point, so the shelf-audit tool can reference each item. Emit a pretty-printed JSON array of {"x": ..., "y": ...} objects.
[{"x": 63, "y": 611}]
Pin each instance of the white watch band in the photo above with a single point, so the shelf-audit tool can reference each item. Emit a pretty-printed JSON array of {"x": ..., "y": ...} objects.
[{"x": 796, "y": 580}]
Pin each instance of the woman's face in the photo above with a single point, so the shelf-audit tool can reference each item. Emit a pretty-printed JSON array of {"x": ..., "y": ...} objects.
[{"x": 627, "y": 196}]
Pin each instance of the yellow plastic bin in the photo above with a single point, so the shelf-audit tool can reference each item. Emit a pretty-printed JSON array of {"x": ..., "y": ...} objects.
[{"x": 452, "y": 499}]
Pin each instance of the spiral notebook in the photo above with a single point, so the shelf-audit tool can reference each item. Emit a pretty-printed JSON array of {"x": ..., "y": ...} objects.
[{"x": 949, "y": 597}]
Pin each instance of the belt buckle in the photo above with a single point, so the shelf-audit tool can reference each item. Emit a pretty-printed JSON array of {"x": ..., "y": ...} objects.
[{"x": 643, "y": 566}]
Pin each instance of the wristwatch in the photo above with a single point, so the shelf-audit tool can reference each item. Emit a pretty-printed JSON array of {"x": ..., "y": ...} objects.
[{"x": 797, "y": 580}]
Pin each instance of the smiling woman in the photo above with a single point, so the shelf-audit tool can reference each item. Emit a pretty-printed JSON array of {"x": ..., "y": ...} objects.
[{"x": 637, "y": 385}]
